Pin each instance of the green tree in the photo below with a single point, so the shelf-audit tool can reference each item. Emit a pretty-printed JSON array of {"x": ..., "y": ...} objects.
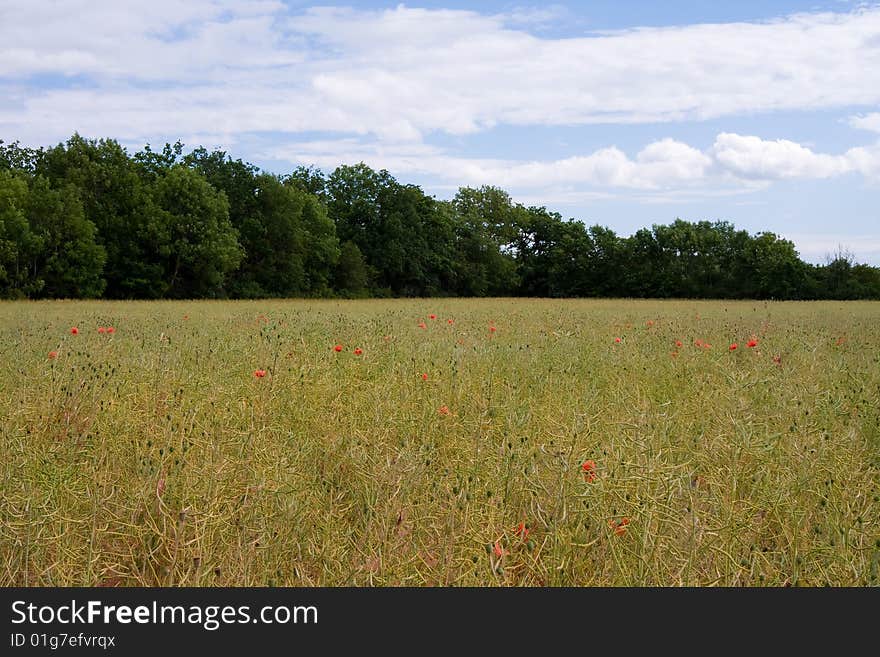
[{"x": 199, "y": 246}]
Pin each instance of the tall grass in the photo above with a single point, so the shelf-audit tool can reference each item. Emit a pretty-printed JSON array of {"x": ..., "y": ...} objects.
[{"x": 154, "y": 456}]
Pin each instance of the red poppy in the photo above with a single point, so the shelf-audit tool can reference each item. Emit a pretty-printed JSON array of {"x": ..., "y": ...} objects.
[
  {"x": 425, "y": 377},
  {"x": 422, "y": 325},
  {"x": 443, "y": 410},
  {"x": 706, "y": 345},
  {"x": 492, "y": 329},
  {"x": 752, "y": 343},
  {"x": 186, "y": 316},
  {"x": 698, "y": 343},
  {"x": 498, "y": 550},
  {"x": 733, "y": 346},
  {"x": 678, "y": 343},
  {"x": 588, "y": 467},
  {"x": 450, "y": 321},
  {"x": 618, "y": 340},
  {"x": 432, "y": 316},
  {"x": 111, "y": 329},
  {"x": 619, "y": 527},
  {"x": 74, "y": 331},
  {"x": 337, "y": 348},
  {"x": 53, "y": 354},
  {"x": 522, "y": 531},
  {"x": 101, "y": 329},
  {"x": 358, "y": 351},
  {"x": 650, "y": 322},
  {"x": 674, "y": 354},
  {"x": 259, "y": 373}
]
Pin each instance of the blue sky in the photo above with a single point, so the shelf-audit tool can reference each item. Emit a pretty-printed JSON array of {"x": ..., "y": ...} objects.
[{"x": 626, "y": 114}]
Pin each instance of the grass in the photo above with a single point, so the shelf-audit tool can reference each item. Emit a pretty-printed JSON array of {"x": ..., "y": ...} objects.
[{"x": 154, "y": 456}]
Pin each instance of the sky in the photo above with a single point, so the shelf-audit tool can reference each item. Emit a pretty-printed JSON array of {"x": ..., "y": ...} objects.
[{"x": 625, "y": 114}]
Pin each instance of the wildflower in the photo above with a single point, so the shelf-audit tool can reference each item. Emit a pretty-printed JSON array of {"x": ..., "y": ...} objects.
[
  {"x": 733, "y": 346},
  {"x": 588, "y": 467},
  {"x": 425, "y": 376},
  {"x": 619, "y": 527},
  {"x": 674, "y": 354},
  {"x": 443, "y": 410},
  {"x": 678, "y": 343},
  {"x": 111, "y": 329},
  {"x": 698, "y": 343},
  {"x": 706, "y": 345},
  {"x": 358, "y": 351},
  {"x": 618, "y": 340},
  {"x": 259, "y": 373},
  {"x": 450, "y": 321},
  {"x": 422, "y": 325},
  {"x": 186, "y": 316},
  {"x": 74, "y": 331},
  {"x": 432, "y": 316},
  {"x": 777, "y": 359},
  {"x": 337, "y": 348},
  {"x": 101, "y": 329},
  {"x": 53, "y": 354},
  {"x": 650, "y": 322},
  {"x": 498, "y": 550},
  {"x": 522, "y": 531},
  {"x": 492, "y": 329},
  {"x": 752, "y": 343}
]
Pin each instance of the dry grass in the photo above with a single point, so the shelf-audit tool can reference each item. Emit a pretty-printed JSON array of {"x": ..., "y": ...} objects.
[{"x": 154, "y": 456}]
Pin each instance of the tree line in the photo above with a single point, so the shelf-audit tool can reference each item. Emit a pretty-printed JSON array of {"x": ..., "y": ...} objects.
[{"x": 86, "y": 219}]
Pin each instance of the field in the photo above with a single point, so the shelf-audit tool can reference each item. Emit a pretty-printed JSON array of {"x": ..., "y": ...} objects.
[{"x": 499, "y": 443}]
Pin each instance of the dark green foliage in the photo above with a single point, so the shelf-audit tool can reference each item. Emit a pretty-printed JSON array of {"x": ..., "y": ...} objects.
[{"x": 86, "y": 219}]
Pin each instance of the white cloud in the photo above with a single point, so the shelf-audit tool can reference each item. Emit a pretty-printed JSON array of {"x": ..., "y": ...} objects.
[
  {"x": 667, "y": 170},
  {"x": 752, "y": 157},
  {"x": 866, "y": 122},
  {"x": 407, "y": 72}
]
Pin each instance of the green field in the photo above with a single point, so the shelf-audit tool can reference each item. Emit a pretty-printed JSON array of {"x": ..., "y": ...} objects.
[{"x": 155, "y": 456}]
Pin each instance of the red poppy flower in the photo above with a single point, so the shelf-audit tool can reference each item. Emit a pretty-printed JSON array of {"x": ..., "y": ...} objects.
[
  {"x": 492, "y": 329},
  {"x": 425, "y": 377},
  {"x": 706, "y": 345},
  {"x": 619, "y": 527},
  {"x": 259, "y": 373},
  {"x": 674, "y": 354},
  {"x": 101, "y": 329},
  {"x": 358, "y": 351},
  {"x": 698, "y": 343},
  {"x": 522, "y": 531},
  {"x": 337, "y": 348},
  {"x": 733, "y": 346},
  {"x": 752, "y": 343},
  {"x": 53, "y": 354},
  {"x": 111, "y": 329},
  {"x": 617, "y": 340},
  {"x": 498, "y": 550},
  {"x": 650, "y": 322},
  {"x": 74, "y": 331},
  {"x": 432, "y": 316},
  {"x": 588, "y": 467},
  {"x": 450, "y": 321},
  {"x": 443, "y": 410},
  {"x": 678, "y": 343},
  {"x": 422, "y": 325},
  {"x": 186, "y": 316}
]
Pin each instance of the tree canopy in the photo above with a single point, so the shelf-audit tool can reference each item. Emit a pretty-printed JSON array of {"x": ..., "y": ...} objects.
[{"x": 86, "y": 219}]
